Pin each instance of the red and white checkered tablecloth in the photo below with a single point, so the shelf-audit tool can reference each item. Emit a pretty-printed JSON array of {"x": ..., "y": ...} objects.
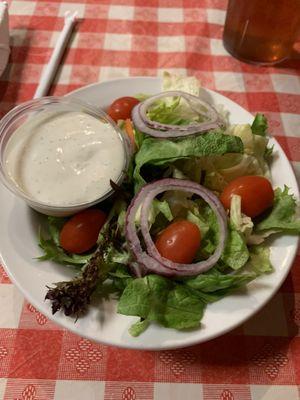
[{"x": 117, "y": 38}]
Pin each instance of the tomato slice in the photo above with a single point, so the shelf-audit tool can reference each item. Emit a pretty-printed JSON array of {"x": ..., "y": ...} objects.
[
  {"x": 122, "y": 107},
  {"x": 256, "y": 194},
  {"x": 179, "y": 242},
  {"x": 80, "y": 233}
]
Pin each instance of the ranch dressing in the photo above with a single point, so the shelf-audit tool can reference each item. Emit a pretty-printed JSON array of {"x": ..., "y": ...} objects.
[{"x": 64, "y": 158}]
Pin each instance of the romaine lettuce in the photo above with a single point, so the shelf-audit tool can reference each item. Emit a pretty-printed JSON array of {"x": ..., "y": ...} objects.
[
  {"x": 241, "y": 222},
  {"x": 155, "y": 298},
  {"x": 213, "y": 281},
  {"x": 235, "y": 254},
  {"x": 259, "y": 260},
  {"x": 158, "y": 152},
  {"x": 220, "y": 170}
]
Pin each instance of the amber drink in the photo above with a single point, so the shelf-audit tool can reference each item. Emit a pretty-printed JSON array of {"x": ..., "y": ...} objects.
[{"x": 261, "y": 31}]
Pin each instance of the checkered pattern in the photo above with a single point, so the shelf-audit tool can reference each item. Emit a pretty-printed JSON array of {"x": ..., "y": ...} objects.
[{"x": 118, "y": 38}]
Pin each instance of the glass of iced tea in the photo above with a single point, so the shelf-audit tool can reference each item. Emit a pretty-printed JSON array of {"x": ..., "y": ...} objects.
[{"x": 261, "y": 31}]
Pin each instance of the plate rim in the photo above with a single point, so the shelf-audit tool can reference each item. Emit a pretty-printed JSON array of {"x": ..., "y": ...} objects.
[{"x": 173, "y": 345}]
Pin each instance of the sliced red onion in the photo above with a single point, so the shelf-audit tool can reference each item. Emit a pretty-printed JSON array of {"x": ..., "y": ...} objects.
[
  {"x": 159, "y": 130},
  {"x": 151, "y": 260},
  {"x": 146, "y": 262}
]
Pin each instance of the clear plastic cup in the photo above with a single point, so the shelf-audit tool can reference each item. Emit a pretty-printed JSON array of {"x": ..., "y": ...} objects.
[{"x": 20, "y": 114}]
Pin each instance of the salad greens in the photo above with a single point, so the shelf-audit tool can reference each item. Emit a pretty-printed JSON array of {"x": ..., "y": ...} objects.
[
  {"x": 155, "y": 152},
  {"x": 236, "y": 253},
  {"x": 212, "y": 159},
  {"x": 176, "y": 112},
  {"x": 52, "y": 249},
  {"x": 259, "y": 125},
  {"x": 242, "y": 223},
  {"x": 259, "y": 260},
  {"x": 282, "y": 217},
  {"x": 155, "y": 298}
]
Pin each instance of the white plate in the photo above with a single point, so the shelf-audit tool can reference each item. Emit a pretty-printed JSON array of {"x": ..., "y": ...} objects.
[{"x": 18, "y": 233}]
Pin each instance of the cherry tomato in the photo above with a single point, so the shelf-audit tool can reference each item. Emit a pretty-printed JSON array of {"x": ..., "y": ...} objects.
[
  {"x": 179, "y": 242},
  {"x": 80, "y": 232},
  {"x": 121, "y": 108},
  {"x": 256, "y": 194}
]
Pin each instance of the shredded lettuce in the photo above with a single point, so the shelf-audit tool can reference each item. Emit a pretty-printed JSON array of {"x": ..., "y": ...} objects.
[
  {"x": 195, "y": 218},
  {"x": 156, "y": 208},
  {"x": 174, "y": 112},
  {"x": 241, "y": 222},
  {"x": 191, "y": 85},
  {"x": 188, "y": 84},
  {"x": 138, "y": 137},
  {"x": 179, "y": 202},
  {"x": 244, "y": 132},
  {"x": 254, "y": 146}
]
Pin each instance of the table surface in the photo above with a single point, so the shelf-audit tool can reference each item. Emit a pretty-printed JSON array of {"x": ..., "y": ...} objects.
[{"x": 118, "y": 38}]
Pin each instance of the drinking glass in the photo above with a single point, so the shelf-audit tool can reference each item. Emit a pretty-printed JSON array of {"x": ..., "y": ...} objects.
[{"x": 261, "y": 31}]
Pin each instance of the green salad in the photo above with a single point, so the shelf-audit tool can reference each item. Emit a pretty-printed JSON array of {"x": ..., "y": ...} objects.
[{"x": 190, "y": 222}]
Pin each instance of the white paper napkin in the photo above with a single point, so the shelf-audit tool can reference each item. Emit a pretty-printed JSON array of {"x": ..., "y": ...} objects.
[{"x": 4, "y": 36}]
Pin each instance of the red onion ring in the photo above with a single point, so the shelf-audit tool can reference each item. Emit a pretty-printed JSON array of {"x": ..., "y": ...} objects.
[
  {"x": 151, "y": 260},
  {"x": 159, "y": 130}
]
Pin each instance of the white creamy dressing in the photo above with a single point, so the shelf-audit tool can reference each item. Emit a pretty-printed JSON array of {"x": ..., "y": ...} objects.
[{"x": 64, "y": 158}]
